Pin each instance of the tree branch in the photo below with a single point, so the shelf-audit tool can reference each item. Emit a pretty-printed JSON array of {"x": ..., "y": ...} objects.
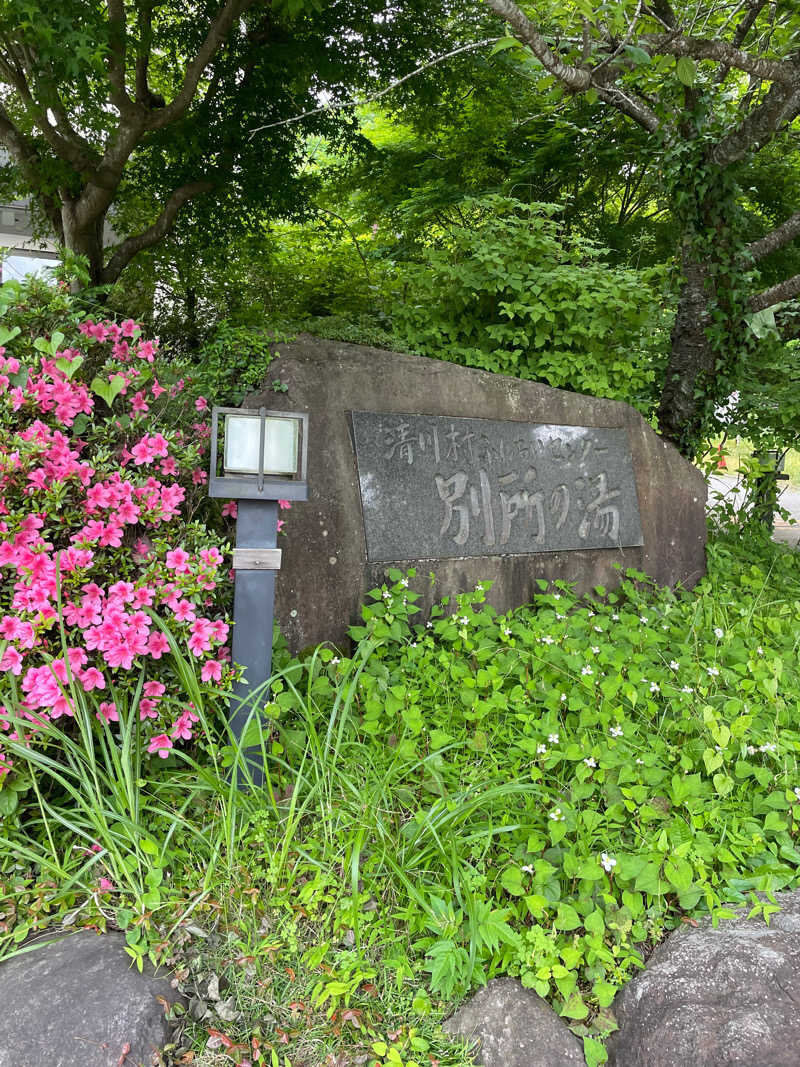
[
  {"x": 144, "y": 25},
  {"x": 632, "y": 106},
  {"x": 754, "y": 9},
  {"x": 131, "y": 246},
  {"x": 220, "y": 27},
  {"x": 118, "y": 34},
  {"x": 23, "y": 152},
  {"x": 72, "y": 148},
  {"x": 358, "y": 101},
  {"x": 772, "y": 70},
  {"x": 785, "y": 290},
  {"x": 574, "y": 78},
  {"x": 777, "y": 238},
  {"x": 779, "y": 106}
]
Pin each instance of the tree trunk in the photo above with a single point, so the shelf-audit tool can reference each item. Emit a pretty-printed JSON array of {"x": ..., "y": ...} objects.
[
  {"x": 691, "y": 363},
  {"x": 85, "y": 241}
]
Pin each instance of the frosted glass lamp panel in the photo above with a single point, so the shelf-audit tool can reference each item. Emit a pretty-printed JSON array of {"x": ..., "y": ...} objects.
[{"x": 242, "y": 440}]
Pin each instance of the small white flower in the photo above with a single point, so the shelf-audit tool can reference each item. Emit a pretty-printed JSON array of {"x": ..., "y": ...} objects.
[
  {"x": 553, "y": 739},
  {"x": 596, "y": 650},
  {"x": 556, "y": 815},
  {"x": 586, "y": 670},
  {"x": 507, "y": 631},
  {"x": 428, "y": 625},
  {"x": 644, "y": 619},
  {"x": 760, "y": 650},
  {"x": 590, "y": 614},
  {"x": 563, "y": 696},
  {"x": 527, "y": 869},
  {"x": 404, "y": 582},
  {"x": 615, "y": 731},
  {"x": 334, "y": 661},
  {"x": 712, "y": 671},
  {"x": 464, "y": 620},
  {"x": 546, "y": 640},
  {"x": 687, "y": 689},
  {"x": 718, "y": 632},
  {"x": 413, "y": 644},
  {"x": 640, "y": 761},
  {"x": 751, "y": 751},
  {"x": 386, "y": 595},
  {"x": 615, "y": 617},
  {"x": 796, "y": 791},
  {"x": 654, "y": 687},
  {"x": 560, "y": 616},
  {"x": 598, "y": 629},
  {"x": 608, "y": 863},
  {"x": 768, "y": 747},
  {"x": 541, "y": 749},
  {"x": 674, "y": 665},
  {"x": 590, "y": 761},
  {"x": 556, "y": 596}
]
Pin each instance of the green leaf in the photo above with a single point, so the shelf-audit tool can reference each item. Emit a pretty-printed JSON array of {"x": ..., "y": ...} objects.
[
  {"x": 70, "y": 367},
  {"x": 637, "y": 55},
  {"x": 686, "y": 70},
  {"x": 511, "y": 881},
  {"x": 505, "y": 43},
  {"x": 567, "y": 919},
  {"x": 594, "y": 1052},
  {"x": 574, "y": 1008},
  {"x": 108, "y": 390}
]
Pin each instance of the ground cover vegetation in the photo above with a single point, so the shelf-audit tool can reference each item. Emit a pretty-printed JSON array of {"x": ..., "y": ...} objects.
[{"x": 543, "y": 794}]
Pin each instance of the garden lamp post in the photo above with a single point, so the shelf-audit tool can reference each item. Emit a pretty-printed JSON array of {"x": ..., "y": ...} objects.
[{"x": 264, "y": 460}]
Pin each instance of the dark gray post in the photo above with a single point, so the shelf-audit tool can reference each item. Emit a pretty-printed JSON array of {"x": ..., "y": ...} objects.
[{"x": 253, "y": 611}]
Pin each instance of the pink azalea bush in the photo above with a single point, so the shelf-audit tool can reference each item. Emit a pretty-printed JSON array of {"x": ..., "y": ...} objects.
[{"x": 102, "y": 469}]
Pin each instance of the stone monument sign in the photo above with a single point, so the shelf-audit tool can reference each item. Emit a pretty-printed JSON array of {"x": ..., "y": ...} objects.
[
  {"x": 435, "y": 487},
  {"x": 468, "y": 476}
]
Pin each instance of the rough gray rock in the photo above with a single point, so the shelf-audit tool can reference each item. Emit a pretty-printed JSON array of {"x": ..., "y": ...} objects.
[
  {"x": 516, "y": 1028},
  {"x": 325, "y": 570},
  {"x": 712, "y": 997},
  {"x": 79, "y": 1002}
]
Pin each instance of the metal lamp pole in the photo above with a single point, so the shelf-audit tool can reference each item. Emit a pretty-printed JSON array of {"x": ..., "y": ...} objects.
[{"x": 256, "y": 556}]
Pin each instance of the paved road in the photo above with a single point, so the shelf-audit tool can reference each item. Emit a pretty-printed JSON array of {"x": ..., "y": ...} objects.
[{"x": 789, "y": 499}]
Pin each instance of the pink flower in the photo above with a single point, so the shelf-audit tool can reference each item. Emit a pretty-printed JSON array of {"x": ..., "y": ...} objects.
[
  {"x": 177, "y": 560},
  {"x": 184, "y": 611},
  {"x": 108, "y": 711},
  {"x": 154, "y": 689},
  {"x": 148, "y": 709},
  {"x": 201, "y": 404},
  {"x": 157, "y": 644},
  {"x": 211, "y": 669},
  {"x": 160, "y": 744},
  {"x": 230, "y": 509},
  {"x": 284, "y": 504},
  {"x": 92, "y": 679},
  {"x": 104, "y": 886}
]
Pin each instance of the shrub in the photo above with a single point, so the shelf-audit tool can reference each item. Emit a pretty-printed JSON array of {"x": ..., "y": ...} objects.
[
  {"x": 508, "y": 291},
  {"x": 102, "y": 556}
]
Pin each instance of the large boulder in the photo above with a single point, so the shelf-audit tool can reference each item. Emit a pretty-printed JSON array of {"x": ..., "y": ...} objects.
[
  {"x": 513, "y": 1027},
  {"x": 79, "y": 1001},
  {"x": 710, "y": 997},
  {"x": 517, "y": 503}
]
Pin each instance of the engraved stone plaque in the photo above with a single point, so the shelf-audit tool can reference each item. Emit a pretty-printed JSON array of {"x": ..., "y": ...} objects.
[{"x": 436, "y": 487}]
